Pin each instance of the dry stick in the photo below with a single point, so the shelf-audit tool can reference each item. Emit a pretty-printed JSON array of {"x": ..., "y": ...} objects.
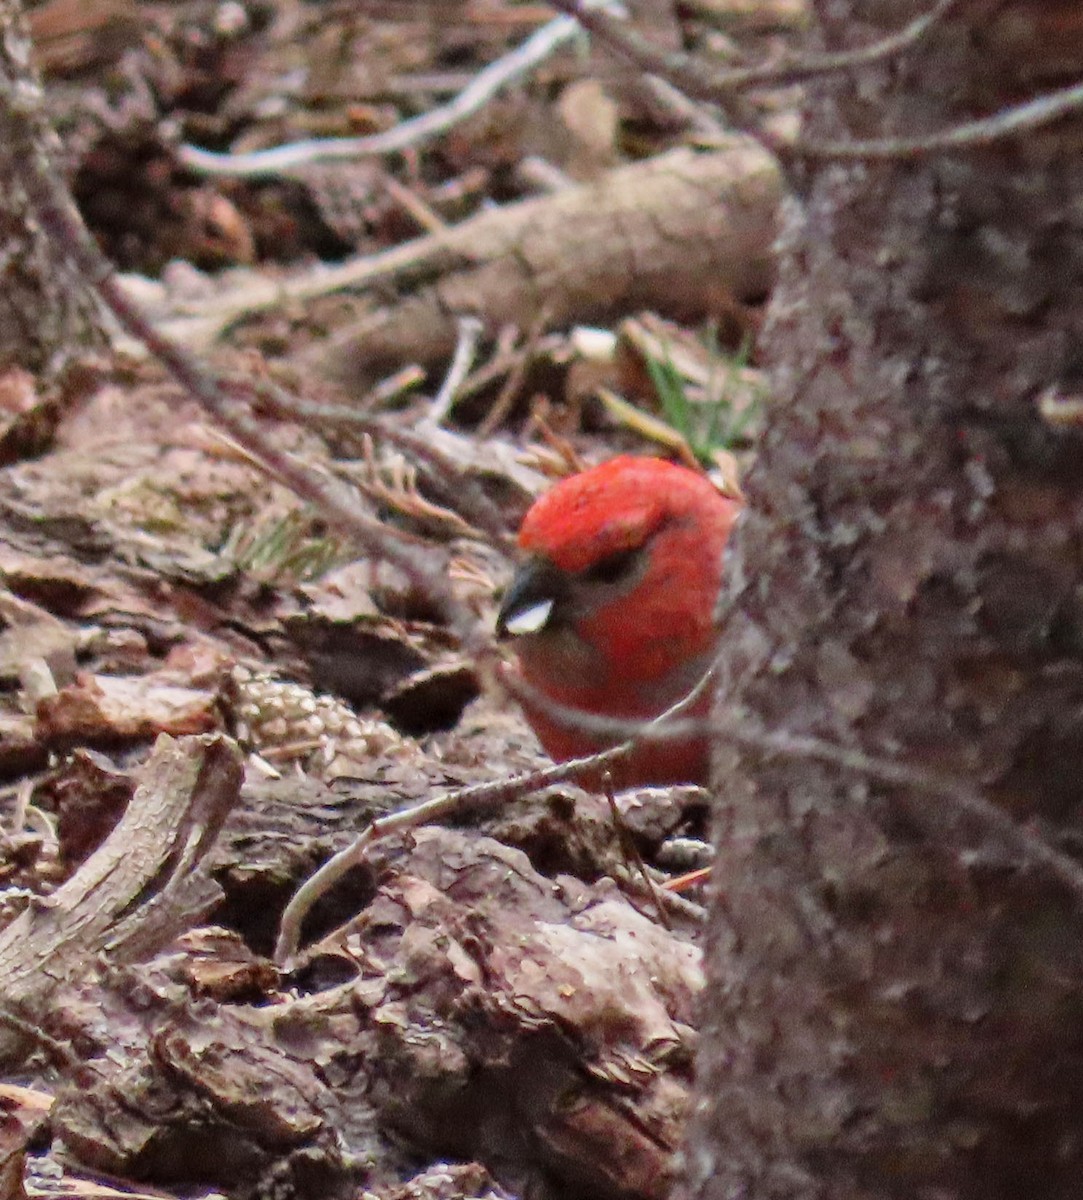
[
  {"x": 690, "y": 879},
  {"x": 1009, "y": 122},
  {"x": 470, "y": 500},
  {"x": 58, "y": 216},
  {"x": 482, "y": 795},
  {"x": 485, "y": 85},
  {"x": 480, "y": 240},
  {"x": 395, "y": 484},
  {"x": 673, "y": 903},
  {"x": 631, "y": 851},
  {"x": 494, "y": 418},
  {"x": 689, "y": 75},
  {"x": 487, "y": 795},
  {"x": 412, "y": 204},
  {"x": 146, "y": 883},
  {"x": 264, "y": 295},
  {"x": 466, "y": 349}
]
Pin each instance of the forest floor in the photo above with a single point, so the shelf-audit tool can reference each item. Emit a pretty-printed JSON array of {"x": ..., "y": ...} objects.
[{"x": 500, "y": 1002}]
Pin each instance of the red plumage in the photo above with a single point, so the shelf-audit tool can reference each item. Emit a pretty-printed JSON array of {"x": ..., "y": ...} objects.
[{"x": 612, "y": 609}]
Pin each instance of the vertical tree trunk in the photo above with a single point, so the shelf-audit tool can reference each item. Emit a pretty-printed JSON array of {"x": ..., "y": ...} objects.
[
  {"x": 47, "y": 312},
  {"x": 895, "y": 1001}
]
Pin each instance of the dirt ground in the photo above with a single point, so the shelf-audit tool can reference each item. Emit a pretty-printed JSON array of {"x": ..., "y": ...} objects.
[{"x": 207, "y": 693}]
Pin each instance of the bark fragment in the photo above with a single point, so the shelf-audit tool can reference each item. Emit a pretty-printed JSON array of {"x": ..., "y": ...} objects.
[{"x": 142, "y": 887}]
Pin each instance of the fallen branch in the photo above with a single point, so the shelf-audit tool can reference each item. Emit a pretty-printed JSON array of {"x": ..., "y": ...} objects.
[
  {"x": 143, "y": 886},
  {"x": 622, "y": 243},
  {"x": 289, "y": 159}
]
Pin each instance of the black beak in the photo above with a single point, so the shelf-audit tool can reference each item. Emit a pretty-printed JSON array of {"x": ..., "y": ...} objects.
[{"x": 532, "y": 600}]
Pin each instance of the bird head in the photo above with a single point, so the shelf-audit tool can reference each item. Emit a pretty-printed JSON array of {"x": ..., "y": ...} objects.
[{"x": 612, "y": 605}]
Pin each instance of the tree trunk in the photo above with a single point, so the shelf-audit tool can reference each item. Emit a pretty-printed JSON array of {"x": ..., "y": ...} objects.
[
  {"x": 895, "y": 1000},
  {"x": 47, "y": 312}
]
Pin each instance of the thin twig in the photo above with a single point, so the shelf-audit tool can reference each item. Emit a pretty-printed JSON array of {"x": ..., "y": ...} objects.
[
  {"x": 482, "y": 88},
  {"x": 482, "y": 795},
  {"x": 673, "y": 903},
  {"x": 466, "y": 348},
  {"x": 631, "y": 851},
  {"x": 1008, "y": 123},
  {"x": 494, "y": 418},
  {"x": 411, "y": 203},
  {"x": 470, "y": 500},
  {"x": 691, "y": 77},
  {"x": 56, "y": 213},
  {"x": 394, "y": 484},
  {"x": 736, "y": 729}
]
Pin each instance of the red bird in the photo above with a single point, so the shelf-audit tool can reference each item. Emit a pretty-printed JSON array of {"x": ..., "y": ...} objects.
[{"x": 612, "y": 610}]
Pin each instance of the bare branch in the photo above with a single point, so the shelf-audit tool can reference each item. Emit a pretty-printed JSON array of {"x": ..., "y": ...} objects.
[
  {"x": 1008, "y": 123},
  {"x": 479, "y": 796},
  {"x": 485, "y": 85},
  {"x": 1032, "y": 849},
  {"x": 691, "y": 77}
]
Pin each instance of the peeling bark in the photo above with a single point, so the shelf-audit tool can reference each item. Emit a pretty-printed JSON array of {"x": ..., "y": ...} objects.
[
  {"x": 894, "y": 1001},
  {"x": 149, "y": 881},
  {"x": 474, "y": 1011}
]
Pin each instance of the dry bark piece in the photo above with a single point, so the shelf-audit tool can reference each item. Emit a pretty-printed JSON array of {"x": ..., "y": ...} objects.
[
  {"x": 117, "y": 708},
  {"x": 142, "y": 887},
  {"x": 432, "y": 699},
  {"x": 404, "y": 667},
  {"x": 627, "y": 242},
  {"x": 28, "y": 420},
  {"x": 89, "y": 794},
  {"x": 215, "y": 962},
  {"x": 262, "y": 1099},
  {"x": 359, "y": 659},
  {"x": 214, "y": 1098},
  {"x": 557, "y": 1021},
  {"x": 492, "y": 1016}
]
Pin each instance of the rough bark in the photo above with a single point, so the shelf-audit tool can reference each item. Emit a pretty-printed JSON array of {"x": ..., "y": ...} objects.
[
  {"x": 48, "y": 312},
  {"x": 474, "y": 1010},
  {"x": 894, "y": 1000},
  {"x": 148, "y": 882}
]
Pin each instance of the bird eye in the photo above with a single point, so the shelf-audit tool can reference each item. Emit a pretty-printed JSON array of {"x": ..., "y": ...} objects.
[{"x": 611, "y": 569}]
